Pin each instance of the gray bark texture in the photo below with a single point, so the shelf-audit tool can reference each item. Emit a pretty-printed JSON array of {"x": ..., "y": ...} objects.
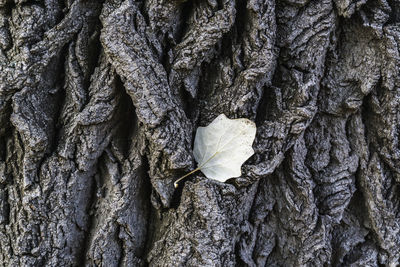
[{"x": 100, "y": 101}]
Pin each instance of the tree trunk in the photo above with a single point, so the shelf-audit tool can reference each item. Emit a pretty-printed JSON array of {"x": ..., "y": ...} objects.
[{"x": 100, "y": 101}]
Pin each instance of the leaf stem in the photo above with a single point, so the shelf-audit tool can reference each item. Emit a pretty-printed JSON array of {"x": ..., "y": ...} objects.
[{"x": 186, "y": 175}]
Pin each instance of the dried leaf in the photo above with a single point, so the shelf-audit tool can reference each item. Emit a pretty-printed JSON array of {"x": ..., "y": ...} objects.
[{"x": 222, "y": 147}]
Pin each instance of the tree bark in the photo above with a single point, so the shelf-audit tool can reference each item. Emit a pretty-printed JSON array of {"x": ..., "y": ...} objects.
[{"x": 100, "y": 101}]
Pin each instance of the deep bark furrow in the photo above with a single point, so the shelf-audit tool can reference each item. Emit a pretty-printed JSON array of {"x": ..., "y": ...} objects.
[
  {"x": 165, "y": 125},
  {"x": 206, "y": 26}
]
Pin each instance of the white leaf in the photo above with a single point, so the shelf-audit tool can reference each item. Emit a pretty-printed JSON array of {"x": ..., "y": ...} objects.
[{"x": 223, "y": 146}]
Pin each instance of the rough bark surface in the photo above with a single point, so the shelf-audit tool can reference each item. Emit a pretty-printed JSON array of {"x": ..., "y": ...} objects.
[{"x": 100, "y": 100}]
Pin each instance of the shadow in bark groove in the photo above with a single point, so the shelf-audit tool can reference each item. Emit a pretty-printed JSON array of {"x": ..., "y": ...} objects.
[
  {"x": 81, "y": 257},
  {"x": 128, "y": 121},
  {"x": 60, "y": 98},
  {"x": 187, "y": 8}
]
